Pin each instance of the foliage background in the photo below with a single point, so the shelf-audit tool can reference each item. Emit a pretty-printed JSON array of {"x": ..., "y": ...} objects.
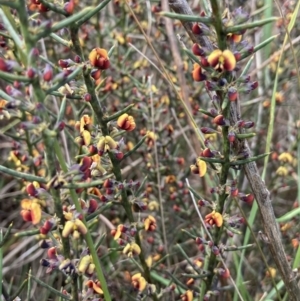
[{"x": 135, "y": 76}]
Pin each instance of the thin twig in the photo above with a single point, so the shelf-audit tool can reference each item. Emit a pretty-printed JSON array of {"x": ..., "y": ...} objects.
[{"x": 179, "y": 68}]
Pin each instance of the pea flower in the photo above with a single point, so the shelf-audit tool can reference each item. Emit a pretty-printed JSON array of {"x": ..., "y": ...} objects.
[
  {"x": 150, "y": 223},
  {"x": 126, "y": 122},
  {"x": 118, "y": 232},
  {"x": 85, "y": 126},
  {"x": 197, "y": 74},
  {"x": 105, "y": 144},
  {"x": 286, "y": 157},
  {"x": 3, "y": 111},
  {"x": 282, "y": 171},
  {"x": 236, "y": 38},
  {"x": 214, "y": 218},
  {"x": 187, "y": 296},
  {"x": 132, "y": 249},
  {"x": 73, "y": 226},
  {"x": 199, "y": 168},
  {"x": 138, "y": 282},
  {"x": 99, "y": 58},
  {"x": 95, "y": 285},
  {"x": 222, "y": 60},
  {"x": 31, "y": 210}
]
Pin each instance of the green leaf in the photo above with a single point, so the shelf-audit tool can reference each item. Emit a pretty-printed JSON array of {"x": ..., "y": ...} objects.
[
  {"x": 65, "y": 23},
  {"x": 94, "y": 11},
  {"x": 289, "y": 215},
  {"x": 241, "y": 27},
  {"x": 259, "y": 46}
]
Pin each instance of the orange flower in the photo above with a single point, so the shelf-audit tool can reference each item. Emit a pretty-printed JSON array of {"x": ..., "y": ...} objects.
[
  {"x": 3, "y": 103},
  {"x": 214, "y": 218},
  {"x": 95, "y": 285},
  {"x": 198, "y": 76},
  {"x": 187, "y": 296},
  {"x": 31, "y": 210},
  {"x": 222, "y": 60},
  {"x": 126, "y": 122},
  {"x": 98, "y": 58},
  {"x": 150, "y": 223},
  {"x": 236, "y": 38},
  {"x": 138, "y": 282}
]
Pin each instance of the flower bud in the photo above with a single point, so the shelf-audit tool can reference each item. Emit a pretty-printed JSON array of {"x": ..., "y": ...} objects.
[
  {"x": 220, "y": 120},
  {"x": 52, "y": 253},
  {"x": 206, "y": 130},
  {"x": 197, "y": 50},
  {"x": 48, "y": 73},
  {"x": 232, "y": 94},
  {"x": 231, "y": 137},
  {"x": 95, "y": 74},
  {"x": 207, "y": 153},
  {"x": 31, "y": 190},
  {"x": 31, "y": 72},
  {"x": 215, "y": 250},
  {"x": 196, "y": 29},
  {"x": 87, "y": 97},
  {"x": 92, "y": 206},
  {"x": 69, "y": 7}
]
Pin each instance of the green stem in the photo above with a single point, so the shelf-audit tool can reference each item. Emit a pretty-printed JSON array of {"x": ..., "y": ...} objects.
[
  {"x": 48, "y": 140},
  {"x": 218, "y": 24},
  {"x": 22, "y": 175}
]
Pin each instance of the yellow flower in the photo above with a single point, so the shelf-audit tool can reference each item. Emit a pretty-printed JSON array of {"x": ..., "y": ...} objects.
[
  {"x": 187, "y": 296},
  {"x": 282, "y": 171},
  {"x": 76, "y": 227},
  {"x": 126, "y": 122},
  {"x": 132, "y": 249},
  {"x": 138, "y": 282},
  {"x": 214, "y": 218},
  {"x": 149, "y": 261},
  {"x": 150, "y": 223},
  {"x": 285, "y": 157},
  {"x": 31, "y": 210},
  {"x": 222, "y": 60},
  {"x": 271, "y": 273},
  {"x": 105, "y": 144},
  {"x": 84, "y": 263},
  {"x": 199, "y": 168},
  {"x": 153, "y": 205},
  {"x": 117, "y": 232}
]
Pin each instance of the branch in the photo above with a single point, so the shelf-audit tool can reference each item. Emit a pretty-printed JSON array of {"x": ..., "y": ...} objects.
[{"x": 182, "y": 7}]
